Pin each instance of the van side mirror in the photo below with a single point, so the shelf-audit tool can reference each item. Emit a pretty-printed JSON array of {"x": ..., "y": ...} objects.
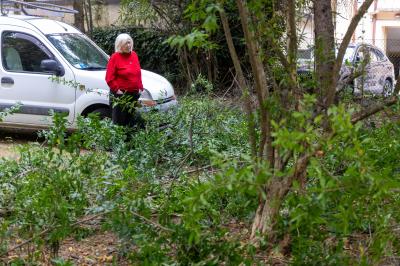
[{"x": 53, "y": 66}]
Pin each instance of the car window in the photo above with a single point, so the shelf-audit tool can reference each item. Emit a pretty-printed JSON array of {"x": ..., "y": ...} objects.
[
  {"x": 374, "y": 56},
  {"x": 305, "y": 54},
  {"x": 79, "y": 51},
  {"x": 22, "y": 52},
  {"x": 379, "y": 55},
  {"x": 363, "y": 55}
]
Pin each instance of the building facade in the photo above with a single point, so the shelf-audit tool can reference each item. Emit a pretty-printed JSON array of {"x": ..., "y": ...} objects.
[
  {"x": 380, "y": 26},
  {"x": 104, "y": 12}
]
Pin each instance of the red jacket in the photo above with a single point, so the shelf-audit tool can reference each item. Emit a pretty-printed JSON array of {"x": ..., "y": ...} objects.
[{"x": 123, "y": 72}]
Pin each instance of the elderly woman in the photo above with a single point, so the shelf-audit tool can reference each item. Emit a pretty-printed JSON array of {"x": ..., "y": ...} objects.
[{"x": 124, "y": 78}]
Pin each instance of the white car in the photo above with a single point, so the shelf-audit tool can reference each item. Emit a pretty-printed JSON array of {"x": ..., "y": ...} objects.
[
  {"x": 49, "y": 65},
  {"x": 374, "y": 71}
]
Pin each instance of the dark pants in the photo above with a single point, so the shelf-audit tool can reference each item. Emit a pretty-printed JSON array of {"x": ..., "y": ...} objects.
[{"x": 123, "y": 109}]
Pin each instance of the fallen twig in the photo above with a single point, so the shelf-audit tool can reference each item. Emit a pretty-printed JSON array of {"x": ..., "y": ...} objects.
[
  {"x": 152, "y": 222},
  {"x": 198, "y": 169}
]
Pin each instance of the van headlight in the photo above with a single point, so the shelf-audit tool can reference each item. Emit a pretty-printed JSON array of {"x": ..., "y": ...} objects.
[{"x": 146, "y": 100}]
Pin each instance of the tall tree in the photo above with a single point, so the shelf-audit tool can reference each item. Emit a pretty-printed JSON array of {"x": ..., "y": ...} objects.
[
  {"x": 283, "y": 174},
  {"x": 79, "y": 18},
  {"x": 287, "y": 127}
]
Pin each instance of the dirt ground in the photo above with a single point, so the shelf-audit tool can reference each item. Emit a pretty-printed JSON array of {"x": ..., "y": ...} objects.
[
  {"x": 7, "y": 150},
  {"x": 10, "y": 140},
  {"x": 101, "y": 248}
]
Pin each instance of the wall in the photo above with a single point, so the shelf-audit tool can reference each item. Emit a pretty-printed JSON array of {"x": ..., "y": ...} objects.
[
  {"x": 384, "y": 14},
  {"x": 103, "y": 15}
]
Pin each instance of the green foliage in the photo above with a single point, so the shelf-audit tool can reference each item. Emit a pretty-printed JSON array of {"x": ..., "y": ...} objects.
[
  {"x": 195, "y": 39},
  {"x": 186, "y": 193},
  {"x": 344, "y": 213},
  {"x": 9, "y": 111},
  {"x": 201, "y": 85},
  {"x": 350, "y": 199},
  {"x": 137, "y": 12},
  {"x": 61, "y": 262},
  {"x": 53, "y": 186}
]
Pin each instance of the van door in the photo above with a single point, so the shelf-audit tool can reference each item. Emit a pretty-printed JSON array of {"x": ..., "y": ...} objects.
[
  {"x": 24, "y": 82},
  {"x": 363, "y": 69},
  {"x": 373, "y": 72}
]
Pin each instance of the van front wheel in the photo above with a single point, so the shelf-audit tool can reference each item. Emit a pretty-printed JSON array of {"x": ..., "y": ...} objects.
[
  {"x": 387, "y": 89},
  {"x": 102, "y": 112}
]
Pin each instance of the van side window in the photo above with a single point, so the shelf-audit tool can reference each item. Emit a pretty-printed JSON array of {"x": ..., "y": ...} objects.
[
  {"x": 363, "y": 56},
  {"x": 21, "y": 52},
  {"x": 379, "y": 54},
  {"x": 374, "y": 56}
]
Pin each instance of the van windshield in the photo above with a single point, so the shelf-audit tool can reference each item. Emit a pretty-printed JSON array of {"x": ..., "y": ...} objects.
[{"x": 79, "y": 51}]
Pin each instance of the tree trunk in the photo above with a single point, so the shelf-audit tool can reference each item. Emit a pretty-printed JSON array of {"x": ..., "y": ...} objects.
[
  {"x": 262, "y": 91},
  {"x": 275, "y": 192},
  {"x": 267, "y": 211},
  {"x": 242, "y": 83},
  {"x": 79, "y": 18},
  {"x": 324, "y": 51},
  {"x": 90, "y": 26}
]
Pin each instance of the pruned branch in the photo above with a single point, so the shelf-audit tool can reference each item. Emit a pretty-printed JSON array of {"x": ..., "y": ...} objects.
[
  {"x": 151, "y": 222},
  {"x": 348, "y": 80},
  {"x": 374, "y": 109}
]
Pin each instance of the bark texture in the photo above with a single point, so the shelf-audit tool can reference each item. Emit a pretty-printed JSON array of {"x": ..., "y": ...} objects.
[
  {"x": 324, "y": 51},
  {"x": 79, "y": 18}
]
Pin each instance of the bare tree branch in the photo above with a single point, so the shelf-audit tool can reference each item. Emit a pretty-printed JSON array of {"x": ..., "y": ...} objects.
[
  {"x": 348, "y": 80},
  {"x": 241, "y": 81},
  {"x": 260, "y": 81},
  {"x": 292, "y": 32}
]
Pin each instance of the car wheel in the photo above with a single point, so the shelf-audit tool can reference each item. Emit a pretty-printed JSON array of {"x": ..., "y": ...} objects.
[
  {"x": 102, "y": 112},
  {"x": 387, "y": 89}
]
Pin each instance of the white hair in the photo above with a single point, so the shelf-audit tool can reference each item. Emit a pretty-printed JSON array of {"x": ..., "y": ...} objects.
[{"x": 121, "y": 40}]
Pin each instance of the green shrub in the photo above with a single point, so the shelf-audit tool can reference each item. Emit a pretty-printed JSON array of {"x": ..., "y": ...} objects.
[
  {"x": 350, "y": 202},
  {"x": 186, "y": 193}
]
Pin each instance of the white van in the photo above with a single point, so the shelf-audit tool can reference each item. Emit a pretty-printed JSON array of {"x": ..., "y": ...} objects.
[{"x": 49, "y": 65}]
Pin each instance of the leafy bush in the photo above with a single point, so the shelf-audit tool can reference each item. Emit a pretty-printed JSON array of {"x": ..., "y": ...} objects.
[
  {"x": 350, "y": 202},
  {"x": 53, "y": 186},
  {"x": 185, "y": 192}
]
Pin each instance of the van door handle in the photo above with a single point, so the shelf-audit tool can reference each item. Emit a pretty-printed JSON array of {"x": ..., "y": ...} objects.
[{"x": 7, "y": 80}]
